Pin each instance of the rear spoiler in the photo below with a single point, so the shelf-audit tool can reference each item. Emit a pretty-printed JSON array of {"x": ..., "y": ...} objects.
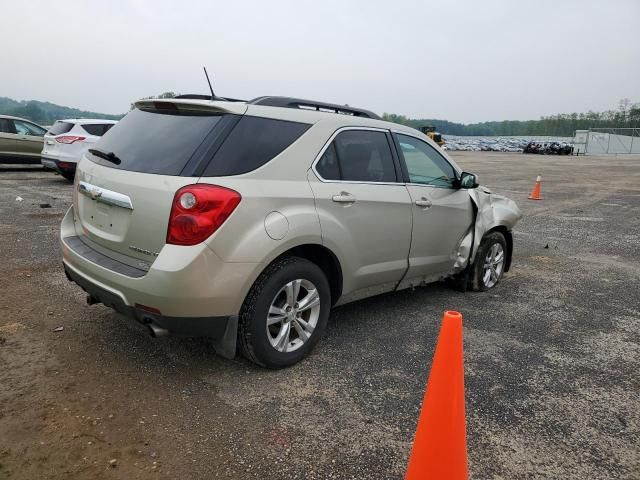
[{"x": 192, "y": 106}]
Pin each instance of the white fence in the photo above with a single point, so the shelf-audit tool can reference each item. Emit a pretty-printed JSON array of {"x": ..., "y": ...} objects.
[{"x": 607, "y": 141}]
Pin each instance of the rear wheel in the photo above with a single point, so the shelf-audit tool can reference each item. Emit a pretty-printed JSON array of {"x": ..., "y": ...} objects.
[
  {"x": 68, "y": 175},
  {"x": 285, "y": 313},
  {"x": 491, "y": 260}
]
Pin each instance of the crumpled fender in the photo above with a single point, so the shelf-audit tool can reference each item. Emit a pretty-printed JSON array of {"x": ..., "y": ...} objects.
[{"x": 492, "y": 211}]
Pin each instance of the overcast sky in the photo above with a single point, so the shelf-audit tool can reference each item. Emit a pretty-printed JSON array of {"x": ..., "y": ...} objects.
[{"x": 463, "y": 61}]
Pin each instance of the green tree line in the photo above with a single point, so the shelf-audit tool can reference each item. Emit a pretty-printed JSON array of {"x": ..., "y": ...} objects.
[
  {"x": 562, "y": 124},
  {"x": 46, "y": 113}
]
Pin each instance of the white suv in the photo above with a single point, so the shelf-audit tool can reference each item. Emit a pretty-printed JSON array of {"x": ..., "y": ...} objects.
[
  {"x": 248, "y": 221},
  {"x": 67, "y": 140}
]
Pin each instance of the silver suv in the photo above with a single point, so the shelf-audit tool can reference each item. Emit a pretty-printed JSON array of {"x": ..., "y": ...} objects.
[{"x": 247, "y": 221}]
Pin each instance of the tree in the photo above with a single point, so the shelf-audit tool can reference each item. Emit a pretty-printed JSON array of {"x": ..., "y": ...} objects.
[{"x": 562, "y": 124}]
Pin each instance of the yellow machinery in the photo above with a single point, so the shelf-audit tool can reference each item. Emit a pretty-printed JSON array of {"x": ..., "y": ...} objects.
[{"x": 430, "y": 131}]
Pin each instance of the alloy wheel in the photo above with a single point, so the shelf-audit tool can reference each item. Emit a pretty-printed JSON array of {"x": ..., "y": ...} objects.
[
  {"x": 293, "y": 315},
  {"x": 493, "y": 265}
]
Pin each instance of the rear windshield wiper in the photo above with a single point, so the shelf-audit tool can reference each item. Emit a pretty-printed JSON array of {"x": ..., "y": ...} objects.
[{"x": 110, "y": 157}]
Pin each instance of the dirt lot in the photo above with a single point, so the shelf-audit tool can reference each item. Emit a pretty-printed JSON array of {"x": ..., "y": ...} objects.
[{"x": 552, "y": 356}]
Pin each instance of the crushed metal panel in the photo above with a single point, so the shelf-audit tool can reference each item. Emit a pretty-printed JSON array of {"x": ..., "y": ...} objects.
[{"x": 493, "y": 211}]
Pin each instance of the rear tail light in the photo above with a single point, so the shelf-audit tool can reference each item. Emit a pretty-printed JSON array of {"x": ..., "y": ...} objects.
[
  {"x": 69, "y": 139},
  {"x": 198, "y": 211}
]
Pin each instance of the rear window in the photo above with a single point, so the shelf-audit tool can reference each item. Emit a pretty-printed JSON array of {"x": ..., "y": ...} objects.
[
  {"x": 152, "y": 142},
  {"x": 97, "y": 129},
  {"x": 252, "y": 143},
  {"x": 60, "y": 127}
]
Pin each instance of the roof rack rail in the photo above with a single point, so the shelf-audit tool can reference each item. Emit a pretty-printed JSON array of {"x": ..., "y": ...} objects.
[
  {"x": 288, "y": 102},
  {"x": 197, "y": 96}
]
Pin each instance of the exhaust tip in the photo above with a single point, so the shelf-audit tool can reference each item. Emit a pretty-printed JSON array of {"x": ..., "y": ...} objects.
[{"x": 156, "y": 331}]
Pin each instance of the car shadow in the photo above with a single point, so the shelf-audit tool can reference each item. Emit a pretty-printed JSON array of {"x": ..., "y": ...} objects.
[{"x": 362, "y": 319}]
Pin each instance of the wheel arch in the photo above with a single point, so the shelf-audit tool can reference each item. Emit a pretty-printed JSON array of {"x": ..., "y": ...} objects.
[
  {"x": 323, "y": 257},
  {"x": 326, "y": 260}
]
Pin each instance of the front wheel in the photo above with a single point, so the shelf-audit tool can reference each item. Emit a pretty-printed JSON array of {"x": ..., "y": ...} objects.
[
  {"x": 285, "y": 313},
  {"x": 490, "y": 263}
]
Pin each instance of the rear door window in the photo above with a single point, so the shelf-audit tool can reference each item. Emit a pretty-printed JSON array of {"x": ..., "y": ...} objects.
[
  {"x": 252, "y": 143},
  {"x": 358, "y": 156},
  {"x": 97, "y": 129},
  {"x": 60, "y": 127},
  {"x": 156, "y": 142},
  {"x": 6, "y": 126}
]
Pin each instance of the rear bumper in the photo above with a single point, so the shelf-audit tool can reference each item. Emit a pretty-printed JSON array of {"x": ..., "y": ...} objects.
[
  {"x": 222, "y": 330},
  {"x": 59, "y": 166},
  {"x": 182, "y": 282},
  {"x": 13, "y": 159},
  {"x": 213, "y": 327}
]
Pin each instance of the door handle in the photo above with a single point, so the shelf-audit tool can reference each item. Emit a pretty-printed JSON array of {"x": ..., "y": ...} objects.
[
  {"x": 344, "y": 197},
  {"x": 424, "y": 203}
]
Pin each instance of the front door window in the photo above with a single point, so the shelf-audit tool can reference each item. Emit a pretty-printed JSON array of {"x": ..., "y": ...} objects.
[{"x": 424, "y": 165}]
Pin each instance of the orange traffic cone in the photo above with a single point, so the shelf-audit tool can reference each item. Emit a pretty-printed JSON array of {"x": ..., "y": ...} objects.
[
  {"x": 440, "y": 448},
  {"x": 536, "y": 193}
]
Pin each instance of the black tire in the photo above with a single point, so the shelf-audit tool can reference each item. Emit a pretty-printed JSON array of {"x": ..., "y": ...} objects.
[
  {"x": 68, "y": 175},
  {"x": 253, "y": 341},
  {"x": 477, "y": 281}
]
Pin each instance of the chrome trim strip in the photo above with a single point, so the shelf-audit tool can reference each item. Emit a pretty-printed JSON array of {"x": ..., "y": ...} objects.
[
  {"x": 384, "y": 130},
  {"x": 105, "y": 196}
]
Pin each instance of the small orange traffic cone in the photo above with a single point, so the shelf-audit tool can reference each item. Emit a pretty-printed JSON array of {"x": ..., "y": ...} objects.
[
  {"x": 536, "y": 193},
  {"x": 440, "y": 447}
]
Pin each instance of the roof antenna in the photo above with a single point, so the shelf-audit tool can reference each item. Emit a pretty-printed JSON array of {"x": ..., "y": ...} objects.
[{"x": 213, "y": 95}]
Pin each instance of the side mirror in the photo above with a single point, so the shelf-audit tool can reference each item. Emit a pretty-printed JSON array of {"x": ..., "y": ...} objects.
[{"x": 468, "y": 180}]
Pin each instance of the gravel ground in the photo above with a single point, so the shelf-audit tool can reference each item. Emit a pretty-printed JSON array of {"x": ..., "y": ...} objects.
[{"x": 551, "y": 356}]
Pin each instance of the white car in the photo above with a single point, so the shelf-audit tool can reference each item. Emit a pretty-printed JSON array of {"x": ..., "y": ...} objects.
[{"x": 68, "y": 140}]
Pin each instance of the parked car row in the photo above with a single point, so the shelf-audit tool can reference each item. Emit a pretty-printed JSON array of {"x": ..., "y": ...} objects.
[
  {"x": 59, "y": 148},
  {"x": 552, "y": 148},
  {"x": 506, "y": 144}
]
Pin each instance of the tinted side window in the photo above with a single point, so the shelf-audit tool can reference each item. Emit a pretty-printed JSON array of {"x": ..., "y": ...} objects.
[
  {"x": 60, "y": 127},
  {"x": 252, "y": 143},
  {"x": 424, "y": 165},
  {"x": 97, "y": 129},
  {"x": 365, "y": 156},
  {"x": 5, "y": 126},
  {"x": 328, "y": 166}
]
